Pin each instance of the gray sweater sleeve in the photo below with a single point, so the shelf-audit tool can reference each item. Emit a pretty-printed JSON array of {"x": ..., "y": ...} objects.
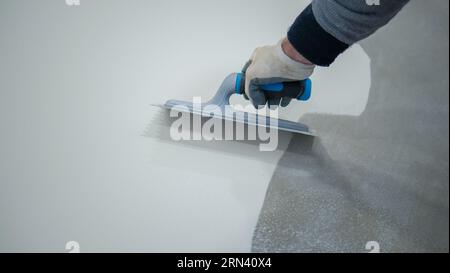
[
  {"x": 352, "y": 20},
  {"x": 326, "y": 28}
]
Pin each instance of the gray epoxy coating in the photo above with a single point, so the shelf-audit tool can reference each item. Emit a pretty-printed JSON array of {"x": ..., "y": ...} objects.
[{"x": 382, "y": 176}]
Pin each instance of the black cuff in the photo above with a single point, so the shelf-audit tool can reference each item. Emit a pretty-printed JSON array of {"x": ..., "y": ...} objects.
[{"x": 312, "y": 41}]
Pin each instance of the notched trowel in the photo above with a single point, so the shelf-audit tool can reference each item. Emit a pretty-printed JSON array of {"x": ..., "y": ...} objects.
[{"x": 234, "y": 84}]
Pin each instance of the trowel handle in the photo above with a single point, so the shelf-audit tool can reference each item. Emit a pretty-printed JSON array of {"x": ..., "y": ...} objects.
[{"x": 300, "y": 90}]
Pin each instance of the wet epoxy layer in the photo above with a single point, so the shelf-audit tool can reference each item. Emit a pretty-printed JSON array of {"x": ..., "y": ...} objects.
[{"x": 380, "y": 177}]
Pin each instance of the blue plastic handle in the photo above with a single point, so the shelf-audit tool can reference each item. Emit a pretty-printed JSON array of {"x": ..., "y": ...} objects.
[
  {"x": 273, "y": 87},
  {"x": 307, "y": 91},
  {"x": 278, "y": 87}
]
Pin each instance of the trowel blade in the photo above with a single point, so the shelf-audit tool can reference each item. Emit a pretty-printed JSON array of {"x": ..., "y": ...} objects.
[{"x": 240, "y": 117}]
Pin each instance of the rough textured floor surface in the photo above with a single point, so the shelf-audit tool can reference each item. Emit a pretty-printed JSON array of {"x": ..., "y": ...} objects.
[{"x": 382, "y": 176}]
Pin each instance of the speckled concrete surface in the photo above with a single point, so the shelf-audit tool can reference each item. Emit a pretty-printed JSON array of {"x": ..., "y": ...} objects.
[{"x": 382, "y": 176}]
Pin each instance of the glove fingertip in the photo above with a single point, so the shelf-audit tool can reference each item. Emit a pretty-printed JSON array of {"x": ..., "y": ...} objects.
[
  {"x": 285, "y": 101},
  {"x": 258, "y": 99},
  {"x": 274, "y": 102}
]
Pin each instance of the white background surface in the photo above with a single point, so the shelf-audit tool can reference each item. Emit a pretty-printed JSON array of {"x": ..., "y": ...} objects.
[{"x": 76, "y": 84}]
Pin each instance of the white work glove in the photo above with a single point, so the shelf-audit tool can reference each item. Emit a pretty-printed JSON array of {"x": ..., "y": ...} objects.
[{"x": 269, "y": 64}]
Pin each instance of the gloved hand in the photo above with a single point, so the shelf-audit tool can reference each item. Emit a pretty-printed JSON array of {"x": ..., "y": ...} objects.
[{"x": 270, "y": 64}]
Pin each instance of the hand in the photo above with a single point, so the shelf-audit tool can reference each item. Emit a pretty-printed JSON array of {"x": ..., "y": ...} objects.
[{"x": 270, "y": 64}]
